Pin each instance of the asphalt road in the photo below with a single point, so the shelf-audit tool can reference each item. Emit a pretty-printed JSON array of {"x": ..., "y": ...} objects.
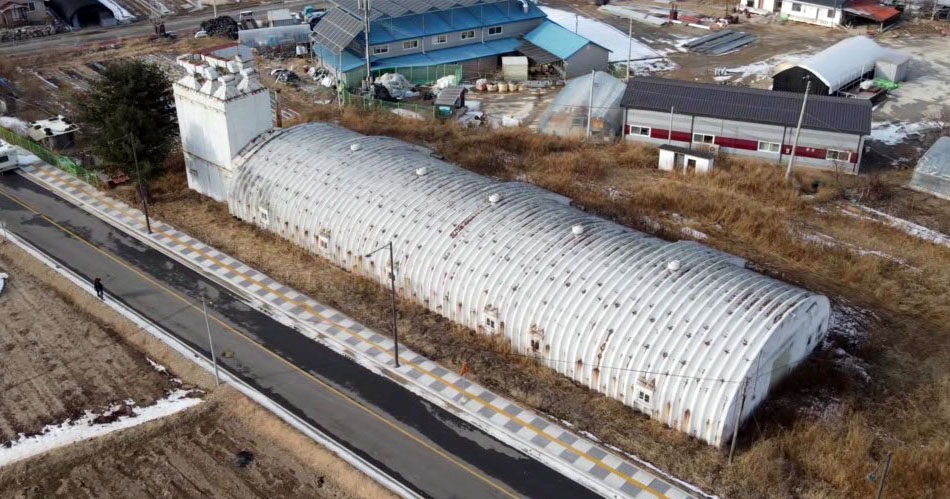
[
  {"x": 184, "y": 25},
  {"x": 419, "y": 444}
]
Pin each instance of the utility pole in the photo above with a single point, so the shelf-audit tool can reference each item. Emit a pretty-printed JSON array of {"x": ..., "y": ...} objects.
[
  {"x": 369, "y": 76},
  {"x": 576, "y": 22},
  {"x": 214, "y": 357},
  {"x": 629, "y": 47},
  {"x": 669, "y": 135},
  {"x": 590, "y": 103},
  {"x": 798, "y": 131},
  {"x": 735, "y": 429},
  {"x": 392, "y": 288},
  {"x": 142, "y": 190}
]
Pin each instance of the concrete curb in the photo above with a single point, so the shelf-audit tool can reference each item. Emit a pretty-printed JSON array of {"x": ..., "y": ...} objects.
[{"x": 227, "y": 377}]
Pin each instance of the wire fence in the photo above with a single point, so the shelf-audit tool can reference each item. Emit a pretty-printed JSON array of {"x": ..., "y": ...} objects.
[
  {"x": 62, "y": 162},
  {"x": 423, "y": 110},
  {"x": 419, "y": 75}
]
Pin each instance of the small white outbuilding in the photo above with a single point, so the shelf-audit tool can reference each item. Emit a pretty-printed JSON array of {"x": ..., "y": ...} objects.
[{"x": 681, "y": 159}]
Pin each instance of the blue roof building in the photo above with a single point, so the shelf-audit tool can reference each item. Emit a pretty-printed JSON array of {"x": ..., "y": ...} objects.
[{"x": 428, "y": 39}]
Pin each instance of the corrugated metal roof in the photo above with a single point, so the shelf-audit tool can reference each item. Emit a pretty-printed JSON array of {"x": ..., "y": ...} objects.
[
  {"x": 669, "y": 328},
  {"x": 343, "y": 61},
  {"x": 448, "y": 56},
  {"x": 555, "y": 39},
  {"x": 449, "y": 95},
  {"x": 932, "y": 174},
  {"x": 871, "y": 9},
  {"x": 459, "y": 19},
  {"x": 536, "y": 53},
  {"x": 337, "y": 29},
  {"x": 748, "y": 104},
  {"x": 847, "y": 60}
]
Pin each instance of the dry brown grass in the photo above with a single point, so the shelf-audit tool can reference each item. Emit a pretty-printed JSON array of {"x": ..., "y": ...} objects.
[{"x": 746, "y": 209}]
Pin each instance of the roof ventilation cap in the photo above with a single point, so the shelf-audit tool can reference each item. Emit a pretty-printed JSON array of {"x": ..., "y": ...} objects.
[
  {"x": 673, "y": 266},
  {"x": 577, "y": 230},
  {"x": 494, "y": 198},
  {"x": 421, "y": 171},
  {"x": 354, "y": 147}
]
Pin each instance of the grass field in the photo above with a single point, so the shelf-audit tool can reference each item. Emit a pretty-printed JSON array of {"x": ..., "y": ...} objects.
[{"x": 64, "y": 353}]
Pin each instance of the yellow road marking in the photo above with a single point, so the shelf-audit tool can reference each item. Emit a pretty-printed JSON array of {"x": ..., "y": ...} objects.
[
  {"x": 303, "y": 304},
  {"x": 226, "y": 326}
]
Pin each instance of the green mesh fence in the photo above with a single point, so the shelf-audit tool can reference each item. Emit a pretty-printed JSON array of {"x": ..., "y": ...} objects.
[
  {"x": 62, "y": 162},
  {"x": 419, "y": 75}
]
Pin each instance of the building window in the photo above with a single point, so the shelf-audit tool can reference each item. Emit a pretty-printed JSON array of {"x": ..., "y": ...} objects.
[
  {"x": 468, "y": 34},
  {"x": 796, "y": 7},
  {"x": 440, "y": 39},
  {"x": 704, "y": 139},
  {"x": 769, "y": 146},
  {"x": 494, "y": 30},
  {"x": 639, "y": 130},
  {"x": 32, "y": 6},
  {"x": 381, "y": 49},
  {"x": 833, "y": 155},
  {"x": 643, "y": 396},
  {"x": 323, "y": 242},
  {"x": 830, "y": 13},
  {"x": 410, "y": 44}
]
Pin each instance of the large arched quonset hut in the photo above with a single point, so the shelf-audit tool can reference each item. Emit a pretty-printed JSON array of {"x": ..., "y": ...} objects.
[{"x": 675, "y": 330}]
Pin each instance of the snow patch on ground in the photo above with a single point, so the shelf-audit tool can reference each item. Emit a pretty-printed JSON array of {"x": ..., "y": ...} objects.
[
  {"x": 694, "y": 234},
  {"x": 906, "y": 226},
  {"x": 55, "y": 436},
  {"x": 16, "y": 124},
  {"x": 763, "y": 69},
  {"x": 118, "y": 11},
  {"x": 606, "y": 36},
  {"x": 820, "y": 239},
  {"x": 893, "y": 133},
  {"x": 158, "y": 367}
]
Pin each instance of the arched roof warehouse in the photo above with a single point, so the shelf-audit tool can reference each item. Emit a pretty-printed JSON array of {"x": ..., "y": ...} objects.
[{"x": 671, "y": 329}]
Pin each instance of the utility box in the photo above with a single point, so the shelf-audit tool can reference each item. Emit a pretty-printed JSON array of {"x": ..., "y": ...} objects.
[
  {"x": 675, "y": 158},
  {"x": 515, "y": 68}
]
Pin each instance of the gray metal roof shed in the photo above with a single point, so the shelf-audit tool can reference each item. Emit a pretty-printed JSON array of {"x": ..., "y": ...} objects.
[
  {"x": 451, "y": 96},
  {"x": 748, "y": 104}
]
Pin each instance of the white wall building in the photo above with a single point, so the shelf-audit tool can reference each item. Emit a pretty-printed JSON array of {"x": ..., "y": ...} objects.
[
  {"x": 680, "y": 159},
  {"x": 676, "y": 330},
  {"x": 820, "y": 12},
  {"x": 222, "y": 107}
]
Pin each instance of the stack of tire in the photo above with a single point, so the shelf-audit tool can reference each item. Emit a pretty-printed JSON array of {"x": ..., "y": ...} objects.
[{"x": 223, "y": 26}]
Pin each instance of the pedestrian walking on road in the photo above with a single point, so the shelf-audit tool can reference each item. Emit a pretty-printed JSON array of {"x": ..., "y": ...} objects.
[{"x": 100, "y": 289}]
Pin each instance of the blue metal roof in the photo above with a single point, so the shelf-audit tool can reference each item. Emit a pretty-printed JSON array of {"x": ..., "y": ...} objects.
[
  {"x": 450, "y": 55},
  {"x": 451, "y": 20},
  {"x": 349, "y": 60},
  {"x": 556, "y": 39}
]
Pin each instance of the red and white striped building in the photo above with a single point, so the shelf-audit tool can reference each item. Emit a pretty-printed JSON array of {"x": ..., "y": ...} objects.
[{"x": 746, "y": 121}]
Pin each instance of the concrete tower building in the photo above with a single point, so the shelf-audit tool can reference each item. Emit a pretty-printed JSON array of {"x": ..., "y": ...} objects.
[{"x": 222, "y": 107}]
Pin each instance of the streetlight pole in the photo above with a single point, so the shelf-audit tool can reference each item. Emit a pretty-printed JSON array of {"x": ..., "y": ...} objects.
[
  {"x": 392, "y": 288},
  {"x": 214, "y": 357},
  {"x": 142, "y": 191}
]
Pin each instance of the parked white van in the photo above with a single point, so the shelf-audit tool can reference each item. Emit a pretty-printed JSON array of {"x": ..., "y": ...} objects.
[{"x": 8, "y": 157}]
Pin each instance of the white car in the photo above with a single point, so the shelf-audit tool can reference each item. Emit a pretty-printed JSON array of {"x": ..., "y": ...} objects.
[{"x": 201, "y": 34}]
